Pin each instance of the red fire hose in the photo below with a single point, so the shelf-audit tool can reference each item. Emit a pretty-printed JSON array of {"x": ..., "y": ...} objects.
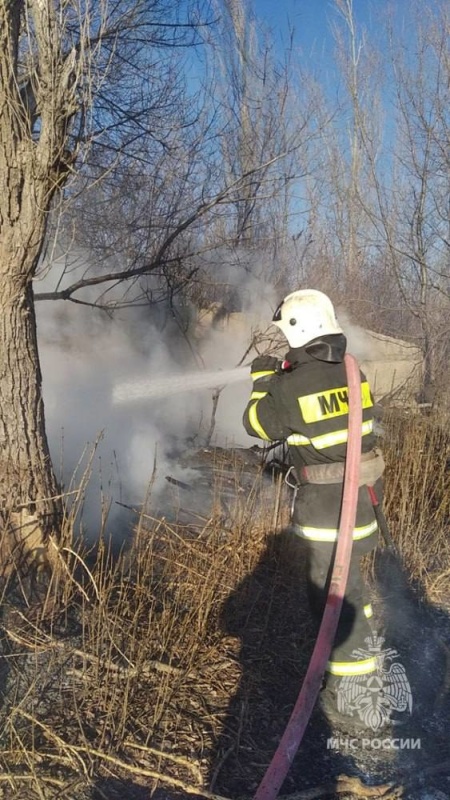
[{"x": 290, "y": 741}]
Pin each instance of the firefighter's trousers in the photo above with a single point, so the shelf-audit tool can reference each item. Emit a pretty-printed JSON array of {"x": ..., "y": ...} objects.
[{"x": 354, "y": 627}]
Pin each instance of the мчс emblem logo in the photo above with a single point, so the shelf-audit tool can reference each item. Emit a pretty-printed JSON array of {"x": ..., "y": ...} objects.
[{"x": 375, "y": 696}]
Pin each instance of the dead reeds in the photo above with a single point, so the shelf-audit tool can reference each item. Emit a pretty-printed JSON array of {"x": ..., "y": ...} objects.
[
  {"x": 110, "y": 675},
  {"x": 417, "y": 495},
  {"x": 147, "y": 666}
]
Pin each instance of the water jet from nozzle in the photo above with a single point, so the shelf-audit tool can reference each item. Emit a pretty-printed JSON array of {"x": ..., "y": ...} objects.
[{"x": 152, "y": 388}]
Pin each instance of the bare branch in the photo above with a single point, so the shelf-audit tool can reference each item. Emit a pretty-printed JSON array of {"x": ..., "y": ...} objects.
[{"x": 160, "y": 257}]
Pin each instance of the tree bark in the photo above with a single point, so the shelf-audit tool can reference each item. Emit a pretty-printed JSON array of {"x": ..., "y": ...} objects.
[
  {"x": 29, "y": 510},
  {"x": 31, "y": 171}
]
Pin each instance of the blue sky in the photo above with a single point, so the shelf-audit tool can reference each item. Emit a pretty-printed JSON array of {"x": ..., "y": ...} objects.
[
  {"x": 310, "y": 18},
  {"x": 314, "y": 45}
]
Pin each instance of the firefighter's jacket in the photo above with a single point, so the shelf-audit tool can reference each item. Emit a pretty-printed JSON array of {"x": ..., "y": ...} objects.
[{"x": 307, "y": 407}]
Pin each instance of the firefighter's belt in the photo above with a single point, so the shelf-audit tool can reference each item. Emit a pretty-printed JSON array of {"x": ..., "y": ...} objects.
[{"x": 371, "y": 468}]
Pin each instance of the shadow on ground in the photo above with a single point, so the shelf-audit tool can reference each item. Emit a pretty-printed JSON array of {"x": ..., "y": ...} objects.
[
  {"x": 420, "y": 633},
  {"x": 269, "y": 613}
]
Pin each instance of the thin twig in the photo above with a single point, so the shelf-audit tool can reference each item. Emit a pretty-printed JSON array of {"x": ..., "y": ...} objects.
[
  {"x": 168, "y": 756},
  {"x": 44, "y": 499},
  {"x": 12, "y": 777},
  {"x": 345, "y": 784},
  {"x": 149, "y": 773},
  {"x": 131, "y": 671}
]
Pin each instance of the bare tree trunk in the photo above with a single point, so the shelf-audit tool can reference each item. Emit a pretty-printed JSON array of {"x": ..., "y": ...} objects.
[
  {"x": 31, "y": 170},
  {"x": 28, "y": 487}
]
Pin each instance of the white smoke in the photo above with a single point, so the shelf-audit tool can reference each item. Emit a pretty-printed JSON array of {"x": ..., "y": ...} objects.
[
  {"x": 359, "y": 343},
  {"x": 85, "y": 355}
]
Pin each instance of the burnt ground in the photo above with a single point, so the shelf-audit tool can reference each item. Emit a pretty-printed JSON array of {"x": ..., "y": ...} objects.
[
  {"x": 234, "y": 708},
  {"x": 273, "y": 664}
]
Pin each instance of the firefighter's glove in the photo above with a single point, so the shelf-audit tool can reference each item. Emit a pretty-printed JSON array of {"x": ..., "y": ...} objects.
[{"x": 264, "y": 367}]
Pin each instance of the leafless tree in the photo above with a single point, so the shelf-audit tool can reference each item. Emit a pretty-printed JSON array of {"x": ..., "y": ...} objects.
[
  {"x": 412, "y": 212},
  {"x": 379, "y": 190},
  {"x": 55, "y": 60},
  {"x": 265, "y": 111},
  {"x": 358, "y": 127},
  {"x": 88, "y": 99}
]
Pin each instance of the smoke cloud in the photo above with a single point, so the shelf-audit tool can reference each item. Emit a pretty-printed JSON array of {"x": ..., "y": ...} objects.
[{"x": 86, "y": 355}]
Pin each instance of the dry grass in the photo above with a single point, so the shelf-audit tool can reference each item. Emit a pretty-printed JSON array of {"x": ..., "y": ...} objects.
[
  {"x": 129, "y": 668},
  {"x": 122, "y": 669},
  {"x": 417, "y": 496}
]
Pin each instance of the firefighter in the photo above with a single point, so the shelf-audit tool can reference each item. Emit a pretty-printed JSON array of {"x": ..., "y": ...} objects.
[{"x": 304, "y": 402}]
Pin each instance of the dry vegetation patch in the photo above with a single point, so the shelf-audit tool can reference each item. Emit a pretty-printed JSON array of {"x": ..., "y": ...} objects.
[
  {"x": 174, "y": 667},
  {"x": 417, "y": 501}
]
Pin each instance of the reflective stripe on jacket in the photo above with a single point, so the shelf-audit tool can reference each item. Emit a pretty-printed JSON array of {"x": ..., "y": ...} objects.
[{"x": 307, "y": 407}]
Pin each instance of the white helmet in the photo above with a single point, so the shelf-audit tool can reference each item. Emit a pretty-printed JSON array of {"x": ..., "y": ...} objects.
[{"x": 304, "y": 315}]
